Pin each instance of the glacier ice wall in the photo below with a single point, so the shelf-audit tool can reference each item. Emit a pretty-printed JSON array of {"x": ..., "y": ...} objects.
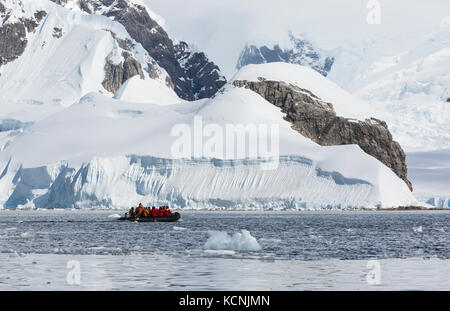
[{"x": 197, "y": 183}]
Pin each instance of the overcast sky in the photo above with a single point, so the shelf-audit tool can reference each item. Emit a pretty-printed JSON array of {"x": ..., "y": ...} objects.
[{"x": 222, "y": 28}]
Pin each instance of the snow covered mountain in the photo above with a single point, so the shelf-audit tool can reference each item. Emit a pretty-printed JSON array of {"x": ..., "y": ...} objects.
[
  {"x": 188, "y": 69},
  {"x": 124, "y": 152},
  {"x": 412, "y": 86},
  {"x": 407, "y": 81},
  {"x": 91, "y": 117},
  {"x": 300, "y": 51},
  {"x": 52, "y": 56}
]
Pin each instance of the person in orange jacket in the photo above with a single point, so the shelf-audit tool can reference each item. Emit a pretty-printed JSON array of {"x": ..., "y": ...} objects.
[
  {"x": 139, "y": 210},
  {"x": 145, "y": 212}
]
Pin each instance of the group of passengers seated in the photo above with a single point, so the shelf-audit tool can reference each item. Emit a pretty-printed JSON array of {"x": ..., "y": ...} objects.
[{"x": 142, "y": 211}]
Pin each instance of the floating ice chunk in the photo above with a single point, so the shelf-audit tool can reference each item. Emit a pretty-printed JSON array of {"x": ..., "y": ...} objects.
[
  {"x": 241, "y": 241},
  {"x": 418, "y": 229},
  {"x": 25, "y": 234},
  {"x": 179, "y": 228}
]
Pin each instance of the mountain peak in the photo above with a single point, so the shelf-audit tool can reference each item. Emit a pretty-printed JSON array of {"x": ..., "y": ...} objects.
[
  {"x": 146, "y": 28},
  {"x": 300, "y": 51}
]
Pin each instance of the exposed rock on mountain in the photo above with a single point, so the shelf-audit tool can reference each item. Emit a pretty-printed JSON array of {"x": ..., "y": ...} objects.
[
  {"x": 117, "y": 74},
  {"x": 301, "y": 52},
  {"x": 13, "y": 39},
  {"x": 194, "y": 76},
  {"x": 205, "y": 75},
  {"x": 317, "y": 120}
]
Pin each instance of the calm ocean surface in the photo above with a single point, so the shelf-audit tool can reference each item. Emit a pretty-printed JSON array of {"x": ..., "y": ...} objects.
[{"x": 40, "y": 250}]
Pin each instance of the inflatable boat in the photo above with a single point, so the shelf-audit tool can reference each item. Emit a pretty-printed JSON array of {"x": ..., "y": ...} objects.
[{"x": 172, "y": 218}]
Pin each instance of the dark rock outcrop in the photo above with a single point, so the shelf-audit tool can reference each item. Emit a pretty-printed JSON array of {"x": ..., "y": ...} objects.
[
  {"x": 13, "y": 36},
  {"x": 205, "y": 75},
  {"x": 57, "y": 32},
  {"x": 200, "y": 78},
  {"x": 117, "y": 74},
  {"x": 317, "y": 120},
  {"x": 301, "y": 53}
]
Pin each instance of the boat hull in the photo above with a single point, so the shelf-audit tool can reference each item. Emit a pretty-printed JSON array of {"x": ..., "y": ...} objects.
[{"x": 173, "y": 218}]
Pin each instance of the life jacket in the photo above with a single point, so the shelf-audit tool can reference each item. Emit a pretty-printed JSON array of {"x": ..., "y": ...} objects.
[
  {"x": 139, "y": 211},
  {"x": 161, "y": 212},
  {"x": 145, "y": 212},
  {"x": 167, "y": 212},
  {"x": 154, "y": 212}
]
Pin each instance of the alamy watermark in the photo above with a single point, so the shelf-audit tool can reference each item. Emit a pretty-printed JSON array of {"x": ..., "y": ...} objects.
[
  {"x": 374, "y": 14},
  {"x": 228, "y": 141},
  {"x": 73, "y": 277},
  {"x": 373, "y": 277}
]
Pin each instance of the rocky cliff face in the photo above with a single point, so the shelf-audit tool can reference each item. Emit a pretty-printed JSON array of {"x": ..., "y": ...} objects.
[
  {"x": 317, "y": 120},
  {"x": 204, "y": 75},
  {"x": 13, "y": 36},
  {"x": 301, "y": 52},
  {"x": 193, "y": 78},
  {"x": 117, "y": 74}
]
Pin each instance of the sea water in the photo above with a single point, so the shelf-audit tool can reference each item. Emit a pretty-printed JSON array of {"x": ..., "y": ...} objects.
[{"x": 326, "y": 250}]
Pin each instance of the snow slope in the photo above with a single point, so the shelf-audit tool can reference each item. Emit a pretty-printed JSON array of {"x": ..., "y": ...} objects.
[
  {"x": 142, "y": 91},
  {"x": 407, "y": 82},
  {"x": 105, "y": 152},
  {"x": 406, "y": 79},
  {"x": 55, "y": 72},
  {"x": 411, "y": 88}
]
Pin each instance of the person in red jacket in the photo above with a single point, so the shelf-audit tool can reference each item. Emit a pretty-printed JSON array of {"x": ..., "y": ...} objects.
[
  {"x": 167, "y": 211},
  {"x": 160, "y": 212},
  {"x": 154, "y": 212}
]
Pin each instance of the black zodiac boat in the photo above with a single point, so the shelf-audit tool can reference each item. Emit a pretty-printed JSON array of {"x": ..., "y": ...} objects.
[{"x": 172, "y": 218}]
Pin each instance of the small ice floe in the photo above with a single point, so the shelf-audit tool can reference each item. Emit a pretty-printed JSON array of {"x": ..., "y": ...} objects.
[
  {"x": 25, "y": 234},
  {"x": 240, "y": 241},
  {"x": 179, "y": 228},
  {"x": 418, "y": 229},
  {"x": 115, "y": 216}
]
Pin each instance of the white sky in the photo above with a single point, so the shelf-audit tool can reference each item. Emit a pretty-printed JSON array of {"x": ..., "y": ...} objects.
[{"x": 222, "y": 28}]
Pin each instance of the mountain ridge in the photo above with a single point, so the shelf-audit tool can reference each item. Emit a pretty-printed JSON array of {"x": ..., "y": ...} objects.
[
  {"x": 135, "y": 17},
  {"x": 300, "y": 51}
]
